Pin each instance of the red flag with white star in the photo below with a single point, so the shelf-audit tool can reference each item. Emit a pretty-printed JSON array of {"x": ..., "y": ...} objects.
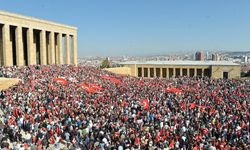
[{"x": 145, "y": 103}]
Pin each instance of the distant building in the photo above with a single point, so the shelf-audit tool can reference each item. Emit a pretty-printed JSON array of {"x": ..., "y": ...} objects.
[
  {"x": 216, "y": 57},
  {"x": 207, "y": 56},
  {"x": 168, "y": 69},
  {"x": 245, "y": 68},
  {"x": 244, "y": 59},
  {"x": 199, "y": 56}
]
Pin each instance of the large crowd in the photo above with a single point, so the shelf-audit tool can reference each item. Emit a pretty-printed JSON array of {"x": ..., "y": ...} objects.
[{"x": 40, "y": 113}]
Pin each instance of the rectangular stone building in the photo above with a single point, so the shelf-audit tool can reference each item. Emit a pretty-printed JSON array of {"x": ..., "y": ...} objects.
[
  {"x": 167, "y": 69},
  {"x": 30, "y": 41}
]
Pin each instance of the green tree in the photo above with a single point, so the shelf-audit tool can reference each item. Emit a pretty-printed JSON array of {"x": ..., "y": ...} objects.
[
  {"x": 247, "y": 74},
  {"x": 106, "y": 63}
]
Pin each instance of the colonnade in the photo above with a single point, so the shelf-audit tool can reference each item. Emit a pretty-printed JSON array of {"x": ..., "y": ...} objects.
[
  {"x": 21, "y": 45},
  {"x": 168, "y": 72}
]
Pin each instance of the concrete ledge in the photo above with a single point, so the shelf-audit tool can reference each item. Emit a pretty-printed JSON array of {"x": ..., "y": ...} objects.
[
  {"x": 119, "y": 70},
  {"x": 6, "y": 83}
]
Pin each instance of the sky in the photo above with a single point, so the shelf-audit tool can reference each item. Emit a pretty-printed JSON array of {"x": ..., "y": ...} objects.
[{"x": 146, "y": 27}]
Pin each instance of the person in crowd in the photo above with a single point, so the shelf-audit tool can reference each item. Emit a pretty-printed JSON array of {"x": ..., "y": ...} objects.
[{"x": 82, "y": 107}]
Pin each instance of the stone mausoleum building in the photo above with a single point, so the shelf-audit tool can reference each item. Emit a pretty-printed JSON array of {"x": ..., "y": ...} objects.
[
  {"x": 31, "y": 41},
  {"x": 168, "y": 69}
]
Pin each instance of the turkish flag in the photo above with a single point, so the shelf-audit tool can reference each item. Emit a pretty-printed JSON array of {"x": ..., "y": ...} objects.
[
  {"x": 116, "y": 81},
  {"x": 212, "y": 111},
  {"x": 183, "y": 105},
  {"x": 113, "y": 79},
  {"x": 94, "y": 86},
  {"x": 137, "y": 141},
  {"x": 173, "y": 90},
  {"x": 218, "y": 100},
  {"x": 124, "y": 103},
  {"x": 243, "y": 124},
  {"x": 90, "y": 87},
  {"x": 171, "y": 145},
  {"x": 192, "y": 105},
  {"x": 145, "y": 103},
  {"x": 205, "y": 130},
  {"x": 87, "y": 88},
  {"x": 61, "y": 81},
  {"x": 202, "y": 108}
]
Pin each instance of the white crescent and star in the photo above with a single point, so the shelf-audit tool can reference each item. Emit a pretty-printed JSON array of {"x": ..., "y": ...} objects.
[{"x": 144, "y": 104}]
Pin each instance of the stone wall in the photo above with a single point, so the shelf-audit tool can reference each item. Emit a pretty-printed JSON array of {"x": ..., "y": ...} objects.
[{"x": 120, "y": 70}]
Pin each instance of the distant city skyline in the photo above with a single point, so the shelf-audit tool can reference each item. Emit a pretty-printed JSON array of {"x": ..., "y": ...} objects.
[{"x": 115, "y": 28}]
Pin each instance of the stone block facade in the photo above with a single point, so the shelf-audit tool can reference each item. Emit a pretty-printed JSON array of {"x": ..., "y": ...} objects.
[
  {"x": 31, "y": 41},
  {"x": 169, "y": 70}
]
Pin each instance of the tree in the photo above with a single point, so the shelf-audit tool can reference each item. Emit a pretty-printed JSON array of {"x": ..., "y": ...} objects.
[
  {"x": 106, "y": 63},
  {"x": 247, "y": 74}
]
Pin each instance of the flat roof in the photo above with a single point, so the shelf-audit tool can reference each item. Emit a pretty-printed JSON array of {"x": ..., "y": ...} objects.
[
  {"x": 20, "y": 16},
  {"x": 182, "y": 63}
]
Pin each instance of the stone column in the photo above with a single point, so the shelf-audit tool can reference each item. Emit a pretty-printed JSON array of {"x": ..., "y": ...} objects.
[
  {"x": 167, "y": 72},
  {"x": 67, "y": 61},
  {"x": 74, "y": 49},
  {"x": 154, "y": 72},
  {"x": 43, "y": 49},
  {"x": 1, "y": 46},
  {"x": 7, "y": 50},
  {"x": 148, "y": 72},
  {"x": 195, "y": 72},
  {"x": 59, "y": 49},
  {"x": 19, "y": 46},
  {"x": 181, "y": 73},
  {"x": 174, "y": 72},
  {"x": 202, "y": 72},
  {"x": 30, "y": 48},
  {"x": 188, "y": 73},
  {"x": 52, "y": 47},
  {"x": 136, "y": 72},
  {"x": 161, "y": 72},
  {"x": 142, "y": 71}
]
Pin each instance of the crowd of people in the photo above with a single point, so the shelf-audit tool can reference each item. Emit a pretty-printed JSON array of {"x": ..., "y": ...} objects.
[{"x": 41, "y": 113}]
